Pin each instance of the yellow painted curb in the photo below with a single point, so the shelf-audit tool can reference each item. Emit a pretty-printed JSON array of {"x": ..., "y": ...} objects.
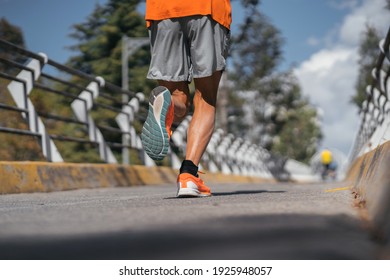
[
  {"x": 370, "y": 177},
  {"x": 338, "y": 189},
  {"x": 27, "y": 177},
  {"x": 370, "y": 170}
]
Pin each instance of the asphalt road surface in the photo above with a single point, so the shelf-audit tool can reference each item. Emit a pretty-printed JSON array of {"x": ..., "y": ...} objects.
[{"x": 240, "y": 221}]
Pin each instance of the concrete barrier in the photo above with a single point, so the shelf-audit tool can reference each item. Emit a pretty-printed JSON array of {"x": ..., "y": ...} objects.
[
  {"x": 370, "y": 178},
  {"x": 300, "y": 172},
  {"x": 27, "y": 177}
]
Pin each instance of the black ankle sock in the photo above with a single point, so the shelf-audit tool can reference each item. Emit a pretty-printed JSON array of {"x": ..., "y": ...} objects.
[{"x": 188, "y": 166}]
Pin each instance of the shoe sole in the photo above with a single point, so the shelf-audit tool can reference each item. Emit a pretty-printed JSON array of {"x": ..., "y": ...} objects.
[
  {"x": 154, "y": 135},
  {"x": 188, "y": 192}
]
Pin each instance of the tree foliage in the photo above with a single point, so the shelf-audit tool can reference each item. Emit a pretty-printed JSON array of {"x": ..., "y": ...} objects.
[
  {"x": 14, "y": 147},
  {"x": 11, "y": 33},
  {"x": 276, "y": 114},
  {"x": 297, "y": 131},
  {"x": 256, "y": 52},
  {"x": 99, "y": 44},
  {"x": 281, "y": 120},
  {"x": 368, "y": 55}
]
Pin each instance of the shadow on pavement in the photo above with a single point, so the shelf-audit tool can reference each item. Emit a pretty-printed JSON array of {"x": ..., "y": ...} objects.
[
  {"x": 230, "y": 193},
  {"x": 287, "y": 236},
  {"x": 244, "y": 192}
]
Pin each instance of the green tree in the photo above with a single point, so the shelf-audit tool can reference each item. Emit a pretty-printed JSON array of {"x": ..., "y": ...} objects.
[
  {"x": 282, "y": 120},
  {"x": 368, "y": 55},
  {"x": 256, "y": 52},
  {"x": 299, "y": 136},
  {"x": 12, "y": 146},
  {"x": 296, "y": 125},
  {"x": 276, "y": 115},
  {"x": 11, "y": 33},
  {"x": 99, "y": 44}
]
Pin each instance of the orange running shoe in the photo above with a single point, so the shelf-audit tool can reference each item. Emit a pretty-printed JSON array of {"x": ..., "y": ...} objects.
[{"x": 191, "y": 186}]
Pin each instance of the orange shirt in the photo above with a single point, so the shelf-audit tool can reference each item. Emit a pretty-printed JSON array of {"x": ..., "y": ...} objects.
[{"x": 220, "y": 10}]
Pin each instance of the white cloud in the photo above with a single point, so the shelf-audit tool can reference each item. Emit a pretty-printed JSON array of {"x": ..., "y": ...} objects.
[
  {"x": 371, "y": 12},
  {"x": 328, "y": 77}
]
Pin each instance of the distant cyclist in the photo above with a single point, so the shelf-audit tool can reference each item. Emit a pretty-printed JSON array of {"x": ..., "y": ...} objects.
[{"x": 328, "y": 166}]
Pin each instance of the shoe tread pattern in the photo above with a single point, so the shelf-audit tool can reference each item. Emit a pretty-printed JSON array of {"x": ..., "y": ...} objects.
[{"x": 154, "y": 135}]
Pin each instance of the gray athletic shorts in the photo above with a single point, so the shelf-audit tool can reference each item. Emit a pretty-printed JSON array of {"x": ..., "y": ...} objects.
[{"x": 186, "y": 48}]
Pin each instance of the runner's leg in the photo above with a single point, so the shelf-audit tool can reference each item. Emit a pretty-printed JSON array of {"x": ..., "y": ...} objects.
[
  {"x": 202, "y": 124},
  {"x": 180, "y": 95}
]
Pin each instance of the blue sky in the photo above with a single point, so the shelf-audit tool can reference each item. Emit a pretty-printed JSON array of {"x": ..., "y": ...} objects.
[{"x": 321, "y": 40}]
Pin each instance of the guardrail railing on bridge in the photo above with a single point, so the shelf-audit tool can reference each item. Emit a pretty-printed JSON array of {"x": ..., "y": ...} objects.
[
  {"x": 89, "y": 112},
  {"x": 370, "y": 156},
  {"x": 375, "y": 118},
  {"x": 93, "y": 115}
]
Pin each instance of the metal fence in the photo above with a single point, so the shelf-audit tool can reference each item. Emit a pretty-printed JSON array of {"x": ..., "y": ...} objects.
[
  {"x": 86, "y": 113},
  {"x": 83, "y": 113},
  {"x": 226, "y": 153},
  {"x": 375, "y": 113},
  {"x": 83, "y": 109}
]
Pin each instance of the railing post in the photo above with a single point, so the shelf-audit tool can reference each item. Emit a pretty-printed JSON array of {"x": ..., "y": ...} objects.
[
  {"x": 81, "y": 108},
  {"x": 129, "y": 46},
  {"x": 375, "y": 118},
  {"x": 20, "y": 93},
  {"x": 125, "y": 120}
]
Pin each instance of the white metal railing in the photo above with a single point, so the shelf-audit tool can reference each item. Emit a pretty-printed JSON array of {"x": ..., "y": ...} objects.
[
  {"x": 26, "y": 71},
  {"x": 375, "y": 113},
  {"x": 85, "y": 95},
  {"x": 227, "y": 153}
]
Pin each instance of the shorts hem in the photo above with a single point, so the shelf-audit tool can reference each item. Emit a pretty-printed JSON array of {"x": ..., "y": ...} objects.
[
  {"x": 168, "y": 78},
  {"x": 208, "y": 74}
]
